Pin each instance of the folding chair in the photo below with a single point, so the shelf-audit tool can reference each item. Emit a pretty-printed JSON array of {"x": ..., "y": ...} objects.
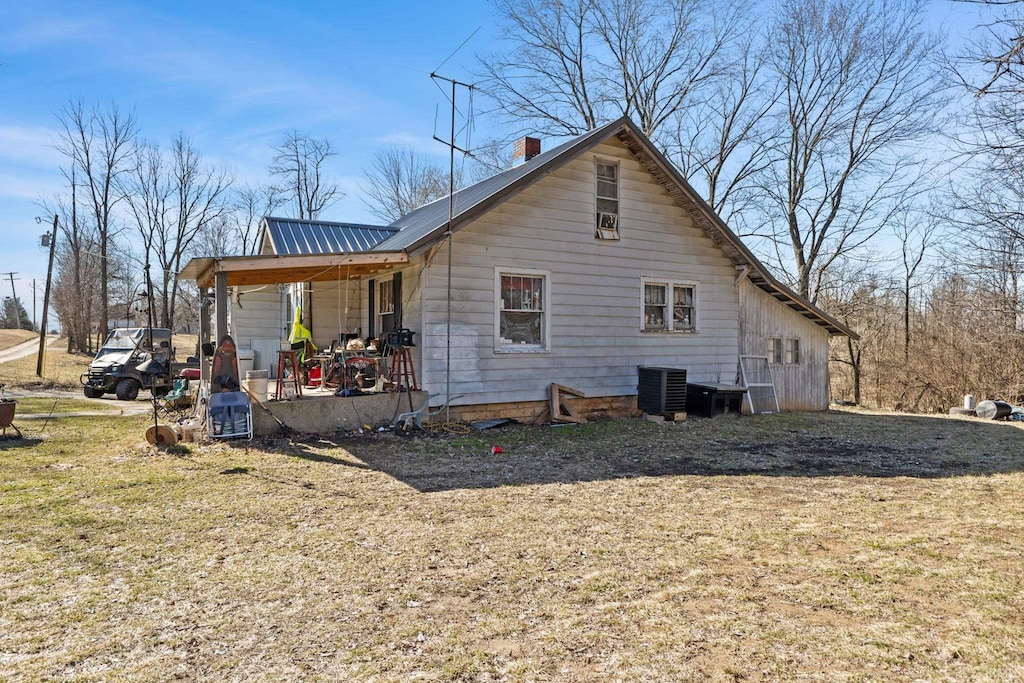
[
  {"x": 177, "y": 400},
  {"x": 229, "y": 415}
]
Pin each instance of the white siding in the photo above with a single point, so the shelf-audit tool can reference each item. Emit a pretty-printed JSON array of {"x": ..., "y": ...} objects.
[
  {"x": 329, "y": 303},
  {"x": 255, "y": 312},
  {"x": 803, "y": 386},
  {"x": 594, "y": 290},
  {"x": 255, "y": 320}
]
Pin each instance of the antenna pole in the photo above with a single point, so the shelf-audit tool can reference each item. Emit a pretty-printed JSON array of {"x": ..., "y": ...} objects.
[{"x": 448, "y": 236}]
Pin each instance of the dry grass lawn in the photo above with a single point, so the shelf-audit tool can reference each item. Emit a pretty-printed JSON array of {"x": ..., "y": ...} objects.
[
  {"x": 831, "y": 547},
  {"x": 9, "y": 338},
  {"x": 61, "y": 369}
]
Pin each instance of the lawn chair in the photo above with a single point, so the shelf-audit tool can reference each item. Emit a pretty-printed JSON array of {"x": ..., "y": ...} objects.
[
  {"x": 415, "y": 417},
  {"x": 177, "y": 401},
  {"x": 229, "y": 415}
]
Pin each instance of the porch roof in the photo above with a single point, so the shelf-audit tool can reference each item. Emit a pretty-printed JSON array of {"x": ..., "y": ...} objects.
[{"x": 276, "y": 269}]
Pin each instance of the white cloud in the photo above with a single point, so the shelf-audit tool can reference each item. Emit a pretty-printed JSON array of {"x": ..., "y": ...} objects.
[
  {"x": 29, "y": 187},
  {"x": 29, "y": 145}
]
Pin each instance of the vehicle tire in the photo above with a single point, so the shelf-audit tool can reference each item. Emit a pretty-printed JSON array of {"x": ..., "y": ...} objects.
[
  {"x": 127, "y": 389},
  {"x": 92, "y": 392}
]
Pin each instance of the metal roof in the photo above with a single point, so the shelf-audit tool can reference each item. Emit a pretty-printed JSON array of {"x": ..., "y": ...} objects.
[
  {"x": 289, "y": 236},
  {"x": 418, "y": 227},
  {"x": 428, "y": 223}
]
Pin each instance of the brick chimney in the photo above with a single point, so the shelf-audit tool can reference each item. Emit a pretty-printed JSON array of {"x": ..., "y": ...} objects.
[{"x": 524, "y": 149}]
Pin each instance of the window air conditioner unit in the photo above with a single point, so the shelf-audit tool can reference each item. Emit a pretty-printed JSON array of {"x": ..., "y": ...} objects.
[{"x": 608, "y": 226}]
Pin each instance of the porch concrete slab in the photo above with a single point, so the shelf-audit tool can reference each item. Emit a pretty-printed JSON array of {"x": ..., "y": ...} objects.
[{"x": 323, "y": 412}]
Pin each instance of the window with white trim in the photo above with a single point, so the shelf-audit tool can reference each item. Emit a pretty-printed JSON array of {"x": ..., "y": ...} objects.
[
  {"x": 607, "y": 201},
  {"x": 792, "y": 351},
  {"x": 775, "y": 350},
  {"x": 669, "y": 307},
  {"x": 521, "y": 305}
]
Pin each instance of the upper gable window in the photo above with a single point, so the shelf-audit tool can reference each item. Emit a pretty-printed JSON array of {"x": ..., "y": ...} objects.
[{"x": 607, "y": 225}]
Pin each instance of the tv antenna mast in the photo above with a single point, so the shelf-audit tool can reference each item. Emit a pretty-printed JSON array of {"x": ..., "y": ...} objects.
[{"x": 452, "y": 148}]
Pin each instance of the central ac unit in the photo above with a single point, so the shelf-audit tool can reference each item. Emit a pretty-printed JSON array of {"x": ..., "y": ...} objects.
[{"x": 661, "y": 390}]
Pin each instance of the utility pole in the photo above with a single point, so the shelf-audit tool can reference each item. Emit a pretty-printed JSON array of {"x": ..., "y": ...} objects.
[
  {"x": 14, "y": 300},
  {"x": 46, "y": 301}
]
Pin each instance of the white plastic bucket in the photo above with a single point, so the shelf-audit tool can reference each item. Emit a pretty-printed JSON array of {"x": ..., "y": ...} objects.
[{"x": 256, "y": 383}]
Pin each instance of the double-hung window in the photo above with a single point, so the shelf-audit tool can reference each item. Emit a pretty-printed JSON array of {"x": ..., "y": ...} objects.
[
  {"x": 775, "y": 350},
  {"x": 522, "y": 315},
  {"x": 669, "y": 307},
  {"x": 607, "y": 201}
]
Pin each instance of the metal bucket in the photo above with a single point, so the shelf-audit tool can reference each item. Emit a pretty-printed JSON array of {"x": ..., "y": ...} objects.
[{"x": 7, "y": 407}]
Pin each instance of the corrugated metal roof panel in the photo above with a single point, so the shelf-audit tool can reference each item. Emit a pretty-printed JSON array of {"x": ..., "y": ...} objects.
[{"x": 291, "y": 236}]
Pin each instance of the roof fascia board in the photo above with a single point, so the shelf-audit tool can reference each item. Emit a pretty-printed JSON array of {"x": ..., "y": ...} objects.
[{"x": 305, "y": 266}]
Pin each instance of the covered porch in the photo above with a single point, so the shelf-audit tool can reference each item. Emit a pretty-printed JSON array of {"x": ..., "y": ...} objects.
[{"x": 255, "y": 299}]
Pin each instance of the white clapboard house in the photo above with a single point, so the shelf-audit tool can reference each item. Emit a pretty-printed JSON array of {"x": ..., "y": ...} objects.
[{"x": 577, "y": 266}]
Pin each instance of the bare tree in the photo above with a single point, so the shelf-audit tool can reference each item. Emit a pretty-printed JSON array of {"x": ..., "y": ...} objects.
[
  {"x": 250, "y": 204},
  {"x": 99, "y": 143},
  {"x": 300, "y": 162},
  {"x": 917, "y": 233},
  {"x": 575, "y": 64},
  {"x": 722, "y": 143},
  {"x": 173, "y": 201},
  {"x": 999, "y": 51},
  {"x": 860, "y": 85},
  {"x": 547, "y": 77},
  {"x": 398, "y": 181}
]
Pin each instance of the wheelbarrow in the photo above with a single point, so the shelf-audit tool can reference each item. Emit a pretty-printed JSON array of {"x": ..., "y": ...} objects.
[{"x": 7, "y": 407}]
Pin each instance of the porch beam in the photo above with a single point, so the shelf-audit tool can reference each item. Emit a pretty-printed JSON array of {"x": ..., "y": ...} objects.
[{"x": 257, "y": 270}]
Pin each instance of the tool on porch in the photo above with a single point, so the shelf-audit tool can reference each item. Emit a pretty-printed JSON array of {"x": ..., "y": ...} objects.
[
  {"x": 287, "y": 372},
  {"x": 285, "y": 429}
]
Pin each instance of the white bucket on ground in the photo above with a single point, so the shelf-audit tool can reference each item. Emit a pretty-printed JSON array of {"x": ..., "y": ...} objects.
[{"x": 256, "y": 383}]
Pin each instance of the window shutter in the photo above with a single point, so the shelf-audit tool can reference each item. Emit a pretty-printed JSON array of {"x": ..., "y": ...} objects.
[
  {"x": 397, "y": 285},
  {"x": 371, "y": 306}
]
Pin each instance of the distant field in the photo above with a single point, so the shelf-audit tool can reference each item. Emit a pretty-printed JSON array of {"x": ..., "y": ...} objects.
[
  {"x": 9, "y": 338},
  {"x": 60, "y": 369},
  {"x": 820, "y": 547}
]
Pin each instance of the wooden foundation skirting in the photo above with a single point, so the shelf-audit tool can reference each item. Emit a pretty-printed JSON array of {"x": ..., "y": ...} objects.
[{"x": 527, "y": 411}]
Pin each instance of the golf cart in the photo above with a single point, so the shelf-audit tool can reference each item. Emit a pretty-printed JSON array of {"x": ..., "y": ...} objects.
[{"x": 116, "y": 368}]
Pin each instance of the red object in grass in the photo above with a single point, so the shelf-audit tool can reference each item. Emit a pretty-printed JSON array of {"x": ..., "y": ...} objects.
[{"x": 495, "y": 450}]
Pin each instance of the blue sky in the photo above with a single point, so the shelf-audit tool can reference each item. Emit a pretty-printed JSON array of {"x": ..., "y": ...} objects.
[{"x": 233, "y": 77}]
